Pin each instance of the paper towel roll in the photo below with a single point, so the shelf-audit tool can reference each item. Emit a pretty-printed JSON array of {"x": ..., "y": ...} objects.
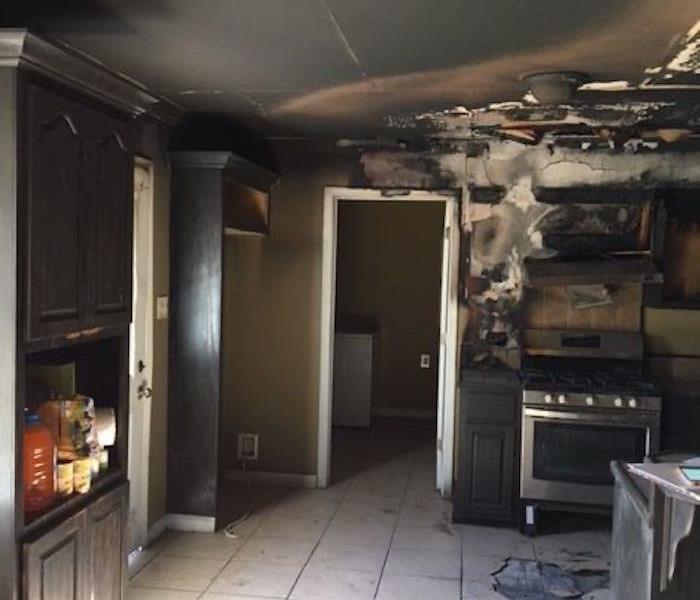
[{"x": 106, "y": 426}]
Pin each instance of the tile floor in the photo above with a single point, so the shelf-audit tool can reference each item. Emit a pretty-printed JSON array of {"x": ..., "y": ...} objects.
[{"x": 381, "y": 532}]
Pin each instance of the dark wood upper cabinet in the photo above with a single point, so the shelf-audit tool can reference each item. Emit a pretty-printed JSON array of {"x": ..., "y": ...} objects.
[
  {"x": 55, "y": 181},
  {"x": 110, "y": 203},
  {"x": 79, "y": 186}
]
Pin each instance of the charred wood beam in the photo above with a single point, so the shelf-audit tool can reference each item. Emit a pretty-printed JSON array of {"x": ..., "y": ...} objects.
[
  {"x": 632, "y": 194},
  {"x": 487, "y": 194}
]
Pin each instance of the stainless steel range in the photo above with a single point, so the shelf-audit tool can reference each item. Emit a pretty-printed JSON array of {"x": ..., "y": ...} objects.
[{"x": 585, "y": 403}]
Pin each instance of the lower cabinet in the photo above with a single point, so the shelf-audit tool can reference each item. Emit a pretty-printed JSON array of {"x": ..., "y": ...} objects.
[
  {"x": 488, "y": 473},
  {"x": 487, "y": 486},
  {"x": 84, "y": 558}
]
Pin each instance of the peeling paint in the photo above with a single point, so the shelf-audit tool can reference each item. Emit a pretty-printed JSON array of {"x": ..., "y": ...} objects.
[
  {"x": 687, "y": 60},
  {"x": 606, "y": 86}
]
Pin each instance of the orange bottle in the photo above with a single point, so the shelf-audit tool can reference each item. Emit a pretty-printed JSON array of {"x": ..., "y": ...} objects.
[{"x": 39, "y": 465}]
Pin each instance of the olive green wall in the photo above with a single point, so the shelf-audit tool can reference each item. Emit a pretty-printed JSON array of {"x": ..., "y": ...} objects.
[
  {"x": 672, "y": 332},
  {"x": 389, "y": 262},
  {"x": 271, "y": 326}
]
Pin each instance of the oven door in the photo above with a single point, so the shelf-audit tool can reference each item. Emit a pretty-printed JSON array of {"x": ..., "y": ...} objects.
[{"x": 566, "y": 455}]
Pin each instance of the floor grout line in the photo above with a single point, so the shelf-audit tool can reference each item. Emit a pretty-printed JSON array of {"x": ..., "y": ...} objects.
[
  {"x": 252, "y": 533},
  {"x": 396, "y": 526},
  {"x": 318, "y": 542},
  {"x": 461, "y": 562}
]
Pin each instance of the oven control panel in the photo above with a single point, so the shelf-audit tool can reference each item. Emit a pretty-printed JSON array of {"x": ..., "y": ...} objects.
[{"x": 591, "y": 401}]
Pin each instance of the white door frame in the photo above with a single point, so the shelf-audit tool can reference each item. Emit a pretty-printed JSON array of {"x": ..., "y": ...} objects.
[
  {"x": 141, "y": 348},
  {"x": 447, "y": 376}
]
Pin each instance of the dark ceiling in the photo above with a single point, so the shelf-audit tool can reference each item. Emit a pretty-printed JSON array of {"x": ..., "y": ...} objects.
[{"x": 336, "y": 68}]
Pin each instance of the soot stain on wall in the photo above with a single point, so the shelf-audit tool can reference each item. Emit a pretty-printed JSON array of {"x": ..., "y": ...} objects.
[{"x": 502, "y": 234}]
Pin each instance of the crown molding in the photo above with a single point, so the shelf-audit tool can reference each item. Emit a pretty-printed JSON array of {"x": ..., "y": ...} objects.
[{"x": 20, "y": 48}]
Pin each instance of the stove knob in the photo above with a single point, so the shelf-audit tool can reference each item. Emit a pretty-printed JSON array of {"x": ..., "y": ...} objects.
[
  {"x": 618, "y": 401},
  {"x": 590, "y": 400},
  {"x": 548, "y": 398},
  {"x": 632, "y": 403},
  {"x": 562, "y": 399}
]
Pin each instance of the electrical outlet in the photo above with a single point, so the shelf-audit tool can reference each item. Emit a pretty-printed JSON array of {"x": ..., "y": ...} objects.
[
  {"x": 248, "y": 446},
  {"x": 161, "y": 308},
  {"x": 425, "y": 361}
]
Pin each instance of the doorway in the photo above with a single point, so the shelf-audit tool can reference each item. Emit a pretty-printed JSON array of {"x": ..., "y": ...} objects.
[
  {"x": 447, "y": 321},
  {"x": 141, "y": 354}
]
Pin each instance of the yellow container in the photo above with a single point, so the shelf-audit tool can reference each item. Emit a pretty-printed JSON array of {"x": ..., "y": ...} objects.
[
  {"x": 65, "y": 478},
  {"x": 82, "y": 475}
]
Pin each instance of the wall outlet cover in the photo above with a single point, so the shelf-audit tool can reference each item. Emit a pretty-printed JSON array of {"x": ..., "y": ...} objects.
[
  {"x": 425, "y": 361},
  {"x": 248, "y": 446},
  {"x": 161, "y": 307}
]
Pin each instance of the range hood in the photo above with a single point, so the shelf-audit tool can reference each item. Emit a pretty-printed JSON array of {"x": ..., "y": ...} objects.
[{"x": 610, "y": 270}]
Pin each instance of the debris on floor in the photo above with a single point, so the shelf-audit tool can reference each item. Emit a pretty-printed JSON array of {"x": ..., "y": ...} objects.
[{"x": 521, "y": 579}]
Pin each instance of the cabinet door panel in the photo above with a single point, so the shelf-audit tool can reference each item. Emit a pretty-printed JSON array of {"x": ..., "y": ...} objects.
[
  {"x": 55, "y": 564},
  {"x": 54, "y": 185},
  {"x": 486, "y": 478},
  {"x": 107, "y": 528},
  {"x": 111, "y": 204}
]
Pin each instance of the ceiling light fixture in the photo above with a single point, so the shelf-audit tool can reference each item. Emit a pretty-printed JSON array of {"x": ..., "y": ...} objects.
[{"x": 554, "y": 87}]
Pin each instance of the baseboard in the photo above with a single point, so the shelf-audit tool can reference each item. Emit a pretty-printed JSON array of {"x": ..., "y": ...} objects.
[
  {"x": 157, "y": 529},
  {"x": 264, "y": 478},
  {"x": 197, "y": 523},
  {"x": 406, "y": 413}
]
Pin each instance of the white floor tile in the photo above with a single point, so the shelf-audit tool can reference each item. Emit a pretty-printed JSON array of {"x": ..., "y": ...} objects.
[
  {"x": 279, "y": 551},
  {"x": 291, "y": 528},
  {"x": 402, "y": 587},
  {"x": 334, "y": 584},
  {"x": 480, "y": 569},
  {"x": 179, "y": 573},
  {"x": 219, "y": 596},
  {"x": 349, "y": 532},
  {"x": 137, "y": 593},
  {"x": 496, "y": 541},
  {"x": 348, "y": 557},
  {"x": 203, "y": 545},
  {"x": 434, "y": 539},
  {"x": 480, "y": 591},
  {"x": 255, "y": 579},
  {"x": 423, "y": 563},
  {"x": 574, "y": 550}
]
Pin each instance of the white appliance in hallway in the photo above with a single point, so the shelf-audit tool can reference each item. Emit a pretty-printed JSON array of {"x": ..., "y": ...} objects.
[{"x": 353, "y": 378}]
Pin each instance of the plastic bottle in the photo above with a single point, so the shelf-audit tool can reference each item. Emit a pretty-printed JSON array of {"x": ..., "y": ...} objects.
[{"x": 39, "y": 465}]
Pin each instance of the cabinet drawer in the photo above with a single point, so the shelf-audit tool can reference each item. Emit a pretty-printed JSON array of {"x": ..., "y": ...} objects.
[{"x": 486, "y": 407}]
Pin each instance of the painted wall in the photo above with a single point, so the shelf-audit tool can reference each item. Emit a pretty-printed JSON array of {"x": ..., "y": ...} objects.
[
  {"x": 152, "y": 144},
  {"x": 389, "y": 261},
  {"x": 273, "y": 285},
  {"x": 271, "y": 328}
]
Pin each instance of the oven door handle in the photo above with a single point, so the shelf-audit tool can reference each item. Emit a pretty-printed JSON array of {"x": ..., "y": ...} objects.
[{"x": 627, "y": 420}]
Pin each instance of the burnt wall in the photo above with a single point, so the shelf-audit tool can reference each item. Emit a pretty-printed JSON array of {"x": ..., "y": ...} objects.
[{"x": 509, "y": 216}]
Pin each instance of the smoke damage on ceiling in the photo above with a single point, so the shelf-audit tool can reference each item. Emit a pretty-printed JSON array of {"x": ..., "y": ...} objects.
[{"x": 394, "y": 69}]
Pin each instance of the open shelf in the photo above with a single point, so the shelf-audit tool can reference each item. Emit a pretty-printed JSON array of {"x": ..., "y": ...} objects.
[
  {"x": 37, "y": 523},
  {"x": 96, "y": 367}
]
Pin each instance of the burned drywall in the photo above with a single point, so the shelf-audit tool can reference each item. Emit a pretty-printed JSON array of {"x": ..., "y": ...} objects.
[
  {"x": 515, "y": 226},
  {"x": 532, "y": 580}
]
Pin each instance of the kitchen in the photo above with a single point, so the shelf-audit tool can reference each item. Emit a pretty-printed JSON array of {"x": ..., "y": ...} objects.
[{"x": 573, "y": 167}]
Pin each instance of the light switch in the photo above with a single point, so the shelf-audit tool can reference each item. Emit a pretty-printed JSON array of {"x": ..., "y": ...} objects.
[
  {"x": 161, "y": 308},
  {"x": 425, "y": 361}
]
